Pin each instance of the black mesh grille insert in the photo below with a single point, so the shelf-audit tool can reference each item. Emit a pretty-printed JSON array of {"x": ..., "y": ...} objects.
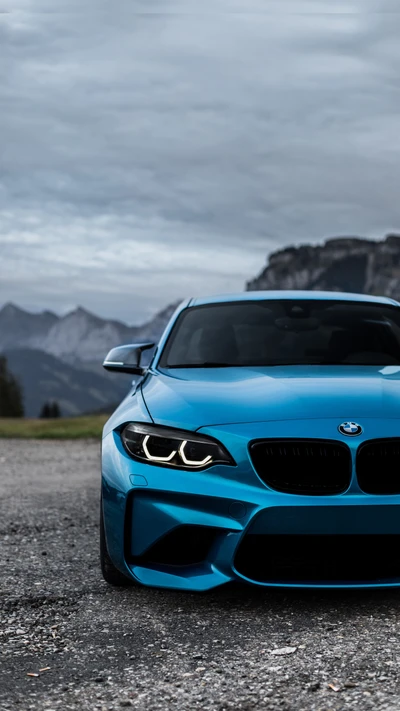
[
  {"x": 299, "y": 466},
  {"x": 378, "y": 466},
  {"x": 313, "y": 559}
]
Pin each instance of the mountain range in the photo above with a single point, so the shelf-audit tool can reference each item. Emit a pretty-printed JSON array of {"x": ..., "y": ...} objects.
[
  {"x": 59, "y": 357},
  {"x": 77, "y": 337}
]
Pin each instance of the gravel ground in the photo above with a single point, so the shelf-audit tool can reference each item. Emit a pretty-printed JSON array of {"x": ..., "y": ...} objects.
[{"x": 98, "y": 648}]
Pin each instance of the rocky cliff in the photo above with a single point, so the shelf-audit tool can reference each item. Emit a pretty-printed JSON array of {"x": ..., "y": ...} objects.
[{"x": 341, "y": 264}]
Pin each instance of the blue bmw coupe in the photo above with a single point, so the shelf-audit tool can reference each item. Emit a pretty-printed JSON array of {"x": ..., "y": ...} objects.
[{"x": 261, "y": 444}]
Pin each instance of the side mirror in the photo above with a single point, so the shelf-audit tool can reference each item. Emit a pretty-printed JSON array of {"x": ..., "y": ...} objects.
[{"x": 126, "y": 359}]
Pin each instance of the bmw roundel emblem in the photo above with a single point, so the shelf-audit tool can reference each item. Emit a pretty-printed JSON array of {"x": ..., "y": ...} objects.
[{"x": 351, "y": 429}]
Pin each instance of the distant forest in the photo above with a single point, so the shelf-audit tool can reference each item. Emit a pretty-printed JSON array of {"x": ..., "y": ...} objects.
[{"x": 11, "y": 397}]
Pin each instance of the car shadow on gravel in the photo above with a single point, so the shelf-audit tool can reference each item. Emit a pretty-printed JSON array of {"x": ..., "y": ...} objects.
[{"x": 240, "y": 594}]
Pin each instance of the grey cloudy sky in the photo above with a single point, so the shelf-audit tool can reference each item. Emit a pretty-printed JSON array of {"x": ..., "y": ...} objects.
[{"x": 149, "y": 150}]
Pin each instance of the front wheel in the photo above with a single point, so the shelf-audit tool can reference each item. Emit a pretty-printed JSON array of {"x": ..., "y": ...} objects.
[{"x": 111, "y": 574}]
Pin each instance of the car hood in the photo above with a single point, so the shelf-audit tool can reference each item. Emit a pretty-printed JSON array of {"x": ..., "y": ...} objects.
[{"x": 193, "y": 398}]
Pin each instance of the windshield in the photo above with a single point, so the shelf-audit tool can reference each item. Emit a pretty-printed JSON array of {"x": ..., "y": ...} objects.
[{"x": 286, "y": 332}]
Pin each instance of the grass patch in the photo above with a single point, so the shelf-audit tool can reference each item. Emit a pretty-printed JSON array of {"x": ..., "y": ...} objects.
[{"x": 62, "y": 428}]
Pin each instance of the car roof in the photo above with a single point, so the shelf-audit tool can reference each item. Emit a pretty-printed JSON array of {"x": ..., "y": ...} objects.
[{"x": 286, "y": 294}]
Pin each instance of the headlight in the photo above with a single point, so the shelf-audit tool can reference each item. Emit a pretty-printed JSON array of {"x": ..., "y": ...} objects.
[{"x": 164, "y": 446}]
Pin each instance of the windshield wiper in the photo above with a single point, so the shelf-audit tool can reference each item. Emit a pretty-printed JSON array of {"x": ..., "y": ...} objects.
[{"x": 206, "y": 364}]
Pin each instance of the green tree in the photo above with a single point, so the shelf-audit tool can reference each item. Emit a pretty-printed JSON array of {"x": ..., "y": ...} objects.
[
  {"x": 11, "y": 399},
  {"x": 50, "y": 410},
  {"x": 55, "y": 409},
  {"x": 45, "y": 411}
]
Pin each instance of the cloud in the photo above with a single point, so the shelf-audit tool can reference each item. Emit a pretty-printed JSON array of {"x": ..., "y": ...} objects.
[{"x": 152, "y": 154}]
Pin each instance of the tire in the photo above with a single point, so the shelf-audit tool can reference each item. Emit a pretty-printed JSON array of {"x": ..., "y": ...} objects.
[{"x": 111, "y": 574}]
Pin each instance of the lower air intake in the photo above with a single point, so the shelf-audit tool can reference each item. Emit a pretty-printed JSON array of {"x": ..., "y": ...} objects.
[
  {"x": 300, "y": 466},
  {"x": 185, "y": 545},
  {"x": 312, "y": 559}
]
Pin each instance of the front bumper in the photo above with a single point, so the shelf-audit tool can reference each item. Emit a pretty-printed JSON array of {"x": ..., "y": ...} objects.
[{"x": 198, "y": 530}]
